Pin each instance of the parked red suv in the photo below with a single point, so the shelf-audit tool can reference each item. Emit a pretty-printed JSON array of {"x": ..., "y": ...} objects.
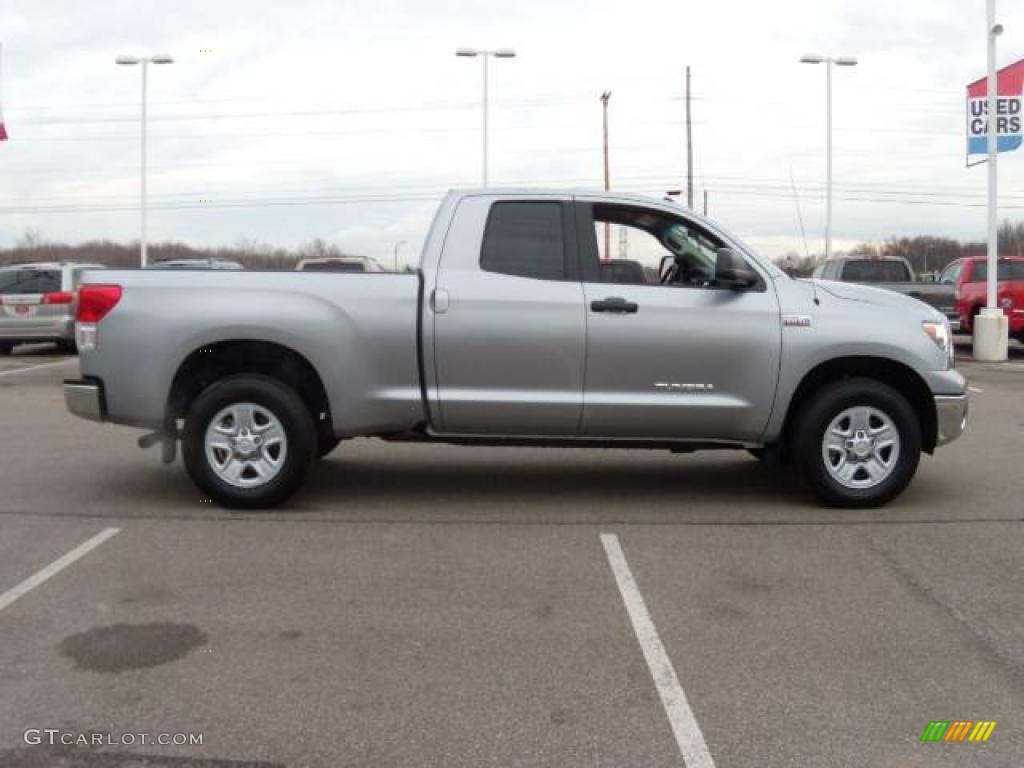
[{"x": 968, "y": 277}]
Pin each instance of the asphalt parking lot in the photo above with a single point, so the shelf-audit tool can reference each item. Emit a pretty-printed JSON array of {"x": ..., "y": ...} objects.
[{"x": 432, "y": 605}]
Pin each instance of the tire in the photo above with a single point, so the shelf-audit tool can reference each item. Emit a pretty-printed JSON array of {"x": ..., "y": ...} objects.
[
  {"x": 862, "y": 470},
  {"x": 67, "y": 346},
  {"x": 5, "y": 348},
  {"x": 325, "y": 445},
  {"x": 244, "y": 427}
]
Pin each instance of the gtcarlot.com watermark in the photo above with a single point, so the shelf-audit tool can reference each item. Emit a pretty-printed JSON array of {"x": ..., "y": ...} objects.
[{"x": 55, "y": 736}]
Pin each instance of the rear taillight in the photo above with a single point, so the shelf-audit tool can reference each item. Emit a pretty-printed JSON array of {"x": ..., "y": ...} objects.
[
  {"x": 58, "y": 297},
  {"x": 95, "y": 301}
]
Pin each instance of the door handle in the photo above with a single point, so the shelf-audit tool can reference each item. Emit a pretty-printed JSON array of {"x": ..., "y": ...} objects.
[{"x": 615, "y": 304}]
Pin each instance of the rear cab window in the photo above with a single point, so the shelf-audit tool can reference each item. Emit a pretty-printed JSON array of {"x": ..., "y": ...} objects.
[
  {"x": 875, "y": 271},
  {"x": 526, "y": 239}
]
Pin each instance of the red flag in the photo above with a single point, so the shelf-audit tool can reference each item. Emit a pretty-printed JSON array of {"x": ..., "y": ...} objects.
[{"x": 3, "y": 129}]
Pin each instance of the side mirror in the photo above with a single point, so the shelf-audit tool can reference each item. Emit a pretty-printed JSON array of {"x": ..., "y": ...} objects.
[{"x": 732, "y": 271}]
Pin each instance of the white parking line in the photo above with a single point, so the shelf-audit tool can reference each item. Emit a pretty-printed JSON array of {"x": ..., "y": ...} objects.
[
  {"x": 35, "y": 367},
  {"x": 684, "y": 726},
  {"x": 56, "y": 566},
  {"x": 975, "y": 390}
]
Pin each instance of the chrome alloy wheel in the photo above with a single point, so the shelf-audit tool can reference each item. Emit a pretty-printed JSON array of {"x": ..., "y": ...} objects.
[
  {"x": 861, "y": 447},
  {"x": 246, "y": 445}
]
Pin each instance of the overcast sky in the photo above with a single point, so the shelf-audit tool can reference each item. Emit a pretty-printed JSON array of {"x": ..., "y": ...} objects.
[{"x": 348, "y": 119}]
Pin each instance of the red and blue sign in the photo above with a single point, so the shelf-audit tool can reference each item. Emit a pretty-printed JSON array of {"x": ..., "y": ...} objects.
[{"x": 1009, "y": 116}]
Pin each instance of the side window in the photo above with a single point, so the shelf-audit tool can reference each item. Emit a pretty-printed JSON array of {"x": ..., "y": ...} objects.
[
  {"x": 979, "y": 271},
  {"x": 951, "y": 275},
  {"x": 525, "y": 239},
  {"x": 638, "y": 246}
]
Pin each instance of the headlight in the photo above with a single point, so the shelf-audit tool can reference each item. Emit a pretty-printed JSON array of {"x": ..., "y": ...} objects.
[{"x": 939, "y": 333}]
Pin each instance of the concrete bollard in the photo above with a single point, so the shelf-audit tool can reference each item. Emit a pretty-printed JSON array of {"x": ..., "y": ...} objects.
[{"x": 991, "y": 336}]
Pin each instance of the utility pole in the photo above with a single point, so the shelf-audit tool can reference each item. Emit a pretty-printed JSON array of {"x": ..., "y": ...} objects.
[
  {"x": 607, "y": 180},
  {"x": 397, "y": 245},
  {"x": 689, "y": 145},
  {"x": 705, "y": 202}
]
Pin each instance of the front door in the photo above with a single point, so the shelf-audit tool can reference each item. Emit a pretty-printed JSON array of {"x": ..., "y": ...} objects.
[{"x": 670, "y": 354}]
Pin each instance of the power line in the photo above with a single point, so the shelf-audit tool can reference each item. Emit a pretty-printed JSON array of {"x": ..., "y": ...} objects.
[{"x": 736, "y": 190}]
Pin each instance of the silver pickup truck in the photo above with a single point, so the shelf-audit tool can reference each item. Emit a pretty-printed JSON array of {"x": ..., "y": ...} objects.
[{"x": 520, "y": 328}]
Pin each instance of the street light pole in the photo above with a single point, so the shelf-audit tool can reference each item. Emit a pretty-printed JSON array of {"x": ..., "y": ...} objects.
[
  {"x": 498, "y": 53},
  {"x": 828, "y": 61},
  {"x": 607, "y": 176},
  {"x": 145, "y": 61},
  {"x": 993, "y": 156},
  {"x": 143, "y": 258},
  {"x": 828, "y": 162},
  {"x": 991, "y": 326}
]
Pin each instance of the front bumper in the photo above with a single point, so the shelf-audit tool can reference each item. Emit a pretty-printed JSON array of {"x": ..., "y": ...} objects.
[
  {"x": 84, "y": 398},
  {"x": 951, "y": 415}
]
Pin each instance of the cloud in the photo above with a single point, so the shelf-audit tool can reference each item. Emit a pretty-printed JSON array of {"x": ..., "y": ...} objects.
[{"x": 288, "y": 114}]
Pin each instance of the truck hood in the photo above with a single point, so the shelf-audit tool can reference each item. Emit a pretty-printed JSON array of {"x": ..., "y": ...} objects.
[{"x": 869, "y": 295}]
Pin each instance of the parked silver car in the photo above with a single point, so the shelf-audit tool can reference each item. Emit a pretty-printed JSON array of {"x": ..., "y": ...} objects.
[{"x": 38, "y": 303}]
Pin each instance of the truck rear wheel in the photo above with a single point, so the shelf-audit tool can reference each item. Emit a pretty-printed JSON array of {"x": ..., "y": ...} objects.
[
  {"x": 857, "y": 443},
  {"x": 248, "y": 441}
]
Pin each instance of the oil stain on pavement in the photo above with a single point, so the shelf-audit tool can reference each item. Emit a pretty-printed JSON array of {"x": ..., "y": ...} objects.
[{"x": 121, "y": 647}]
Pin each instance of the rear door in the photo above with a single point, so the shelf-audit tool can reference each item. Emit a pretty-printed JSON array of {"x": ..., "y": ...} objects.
[
  {"x": 29, "y": 301},
  {"x": 509, "y": 334},
  {"x": 669, "y": 354}
]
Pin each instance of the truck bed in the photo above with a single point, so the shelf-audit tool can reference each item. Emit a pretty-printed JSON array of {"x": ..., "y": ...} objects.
[{"x": 358, "y": 329}]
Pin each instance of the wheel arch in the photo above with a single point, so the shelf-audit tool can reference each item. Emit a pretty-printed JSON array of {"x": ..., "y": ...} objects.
[
  {"x": 209, "y": 363},
  {"x": 897, "y": 375}
]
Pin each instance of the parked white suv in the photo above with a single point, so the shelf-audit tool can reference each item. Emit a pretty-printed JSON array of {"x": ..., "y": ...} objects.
[{"x": 38, "y": 303}]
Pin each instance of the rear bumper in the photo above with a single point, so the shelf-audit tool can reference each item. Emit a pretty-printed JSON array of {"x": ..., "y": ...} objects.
[
  {"x": 57, "y": 329},
  {"x": 84, "y": 398},
  {"x": 951, "y": 415}
]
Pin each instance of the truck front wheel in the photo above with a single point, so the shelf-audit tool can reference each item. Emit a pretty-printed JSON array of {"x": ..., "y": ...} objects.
[
  {"x": 857, "y": 443},
  {"x": 248, "y": 441}
]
